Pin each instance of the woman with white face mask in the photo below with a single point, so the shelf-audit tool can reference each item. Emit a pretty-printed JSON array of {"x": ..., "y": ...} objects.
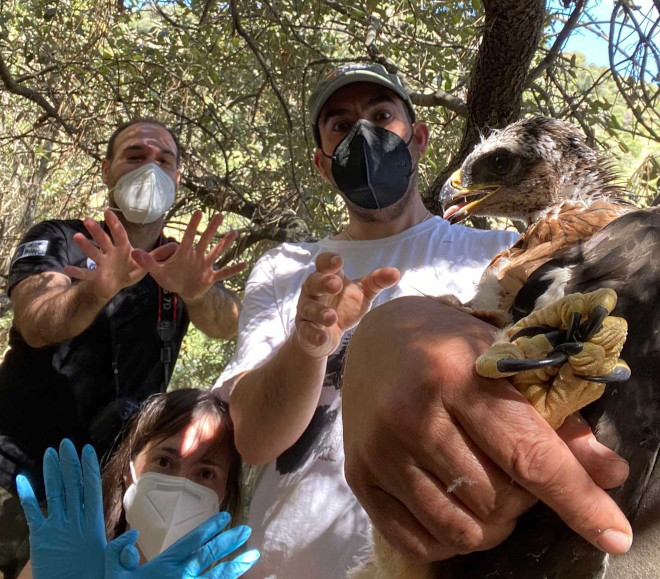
[{"x": 174, "y": 470}]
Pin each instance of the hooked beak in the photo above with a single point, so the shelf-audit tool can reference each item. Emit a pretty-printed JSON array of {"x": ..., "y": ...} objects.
[{"x": 459, "y": 202}]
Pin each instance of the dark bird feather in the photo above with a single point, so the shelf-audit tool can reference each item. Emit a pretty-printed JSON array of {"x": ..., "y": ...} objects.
[
  {"x": 582, "y": 235},
  {"x": 621, "y": 254},
  {"x": 623, "y": 257}
]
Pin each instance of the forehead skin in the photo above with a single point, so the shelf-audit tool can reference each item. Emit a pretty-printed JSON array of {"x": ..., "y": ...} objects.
[
  {"x": 145, "y": 134},
  {"x": 358, "y": 96}
]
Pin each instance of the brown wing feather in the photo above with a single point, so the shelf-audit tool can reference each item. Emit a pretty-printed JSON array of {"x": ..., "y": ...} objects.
[{"x": 545, "y": 239}]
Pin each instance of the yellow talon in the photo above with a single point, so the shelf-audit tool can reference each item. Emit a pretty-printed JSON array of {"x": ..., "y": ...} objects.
[{"x": 557, "y": 391}]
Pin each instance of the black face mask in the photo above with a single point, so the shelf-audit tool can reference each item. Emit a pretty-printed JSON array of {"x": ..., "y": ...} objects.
[{"x": 372, "y": 166}]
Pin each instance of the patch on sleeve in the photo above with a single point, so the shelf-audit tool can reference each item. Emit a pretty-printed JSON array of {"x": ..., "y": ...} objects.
[{"x": 32, "y": 249}]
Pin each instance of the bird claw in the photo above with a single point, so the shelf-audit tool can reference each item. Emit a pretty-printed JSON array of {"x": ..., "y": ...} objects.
[
  {"x": 621, "y": 373},
  {"x": 510, "y": 365},
  {"x": 559, "y": 362},
  {"x": 593, "y": 323},
  {"x": 534, "y": 331}
]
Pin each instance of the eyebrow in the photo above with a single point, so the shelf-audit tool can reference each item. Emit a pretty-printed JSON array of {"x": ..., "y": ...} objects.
[
  {"x": 141, "y": 147},
  {"x": 205, "y": 460},
  {"x": 378, "y": 99}
]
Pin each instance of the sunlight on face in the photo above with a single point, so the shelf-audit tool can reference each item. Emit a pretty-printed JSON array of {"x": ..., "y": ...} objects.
[
  {"x": 199, "y": 433},
  {"x": 199, "y": 452}
]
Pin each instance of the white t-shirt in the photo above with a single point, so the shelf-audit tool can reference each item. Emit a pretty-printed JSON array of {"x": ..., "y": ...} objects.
[{"x": 305, "y": 520}]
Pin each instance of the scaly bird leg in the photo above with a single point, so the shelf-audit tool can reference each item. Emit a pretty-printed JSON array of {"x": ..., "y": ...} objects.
[{"x": 561, "y": 356}]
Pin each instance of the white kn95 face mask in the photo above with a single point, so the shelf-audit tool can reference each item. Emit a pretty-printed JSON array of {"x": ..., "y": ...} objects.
[
  {"x": 164, "y": 508},
  {"x": 144, "y": 194}
]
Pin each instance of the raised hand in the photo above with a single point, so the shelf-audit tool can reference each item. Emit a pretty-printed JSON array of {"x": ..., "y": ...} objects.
[
  {"x": 115, "y": 267},
  {"x": 188, "y": 270},
  {"x": 70, "y": 542},
  {"x": 330, "y": 303},
  {"x": 189, "y": 558}
]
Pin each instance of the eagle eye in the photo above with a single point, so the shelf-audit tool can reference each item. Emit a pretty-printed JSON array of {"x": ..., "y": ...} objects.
[{"x": 501, "y": 162}]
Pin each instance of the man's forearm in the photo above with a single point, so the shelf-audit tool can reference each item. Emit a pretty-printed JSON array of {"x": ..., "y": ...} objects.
[
  {"x": 272, "y": 405},
  {"x": 216, "y": 314},
  {"x": 56, "y": 314}
]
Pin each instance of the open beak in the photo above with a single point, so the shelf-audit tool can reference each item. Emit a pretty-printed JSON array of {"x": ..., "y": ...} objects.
[{"x": 459, "y": 202}]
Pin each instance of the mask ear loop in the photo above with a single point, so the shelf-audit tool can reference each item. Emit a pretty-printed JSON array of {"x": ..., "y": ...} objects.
[
  {"x": 131, "y": 466},
  {"x": 412, "y": 136}
]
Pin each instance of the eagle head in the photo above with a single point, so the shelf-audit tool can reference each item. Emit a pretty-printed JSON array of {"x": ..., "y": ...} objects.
[{"x": 525, "y": 170}]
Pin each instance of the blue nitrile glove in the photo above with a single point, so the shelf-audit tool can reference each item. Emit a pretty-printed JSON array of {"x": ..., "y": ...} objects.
[
  {"x": 188, "y": 558},
  {"x": 69, "y": 543}
]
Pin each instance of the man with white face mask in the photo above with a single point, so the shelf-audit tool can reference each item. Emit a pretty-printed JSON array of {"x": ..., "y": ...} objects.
[{"x": 100, "y": 310}]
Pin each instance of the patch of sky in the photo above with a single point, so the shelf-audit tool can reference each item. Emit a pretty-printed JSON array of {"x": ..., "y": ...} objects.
[{"x": 591, "y": 36}]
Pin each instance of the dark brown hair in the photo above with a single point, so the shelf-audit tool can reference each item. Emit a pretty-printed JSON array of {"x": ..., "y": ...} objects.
[
  {"x": 162, "y": 416},
  {"x": 110, "y": 149}
]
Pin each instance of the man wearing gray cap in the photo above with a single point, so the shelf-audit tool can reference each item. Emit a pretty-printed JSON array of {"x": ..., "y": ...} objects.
[{"x": 301, "y": 303}]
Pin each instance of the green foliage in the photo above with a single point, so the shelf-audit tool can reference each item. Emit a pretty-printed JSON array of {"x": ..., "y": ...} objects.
[{"x": 233, "y": 79}]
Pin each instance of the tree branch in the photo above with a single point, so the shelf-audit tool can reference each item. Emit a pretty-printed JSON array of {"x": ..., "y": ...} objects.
[
  {"x": 639, "y": 117},
  {"x": 236, "y": 19},
  {"x": 213, "y": 197},
  {"x": 511, "y": 35},
  {"x": 238, "y": 27},
  {"x": 562, "y": 37},
  {"x": 440, "y": 98},
  {"x": 20, "y": 90}
]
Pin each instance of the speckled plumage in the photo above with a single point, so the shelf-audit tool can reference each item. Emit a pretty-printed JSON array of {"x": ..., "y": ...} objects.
[
  {"x": 581, "y": 237},
  {"x": 550, "y": 164},
  {"x": 563, "y": 189}
]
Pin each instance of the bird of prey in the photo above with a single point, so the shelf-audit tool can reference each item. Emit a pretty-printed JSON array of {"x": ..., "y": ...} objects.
[{"x": 581, "y": 236}]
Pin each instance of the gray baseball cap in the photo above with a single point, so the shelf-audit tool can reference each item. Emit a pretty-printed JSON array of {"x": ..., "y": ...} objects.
[{"x": 349, "y": 74}]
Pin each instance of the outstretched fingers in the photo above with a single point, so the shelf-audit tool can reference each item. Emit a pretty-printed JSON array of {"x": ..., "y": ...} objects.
[
  {"x": 87, "y": 247},
  {"x": 190, "y": 233},
  {"x": 198, "y": 536},
  {"x": 235, "y": 568},
  {"x": 207, "y": 237},
  {"x": 229, "y": 271},
  {"x": 53, "y": 483},
  {"x": 84, "y": 274},
  {"x": 29, "y": 502},
  {"x": 160, "y": 254},
  {"x": 72, "y": 479},
  {"x": 92, "y": 493},
  {"x": 117, "y": 231},
  {"x": 218, "y": 547},
  {"x": 100, "y": 237},
  {"x": 222, "y": 245},
  {"x": 379, "y": 280}
]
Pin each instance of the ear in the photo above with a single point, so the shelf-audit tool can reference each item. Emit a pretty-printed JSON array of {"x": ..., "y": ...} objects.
[
  {"x": 178, "y": 177},
  {"x": 105, "y": 170},
  {"x": 421, "y": 136},
  {"x": 322, "y": 166}
]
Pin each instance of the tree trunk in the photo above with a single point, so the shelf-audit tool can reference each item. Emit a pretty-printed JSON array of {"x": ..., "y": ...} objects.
[{"x": 511, "y": 34}]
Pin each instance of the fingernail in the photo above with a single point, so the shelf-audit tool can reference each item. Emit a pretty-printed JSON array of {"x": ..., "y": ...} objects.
[{"x": 614, "y": 542}]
